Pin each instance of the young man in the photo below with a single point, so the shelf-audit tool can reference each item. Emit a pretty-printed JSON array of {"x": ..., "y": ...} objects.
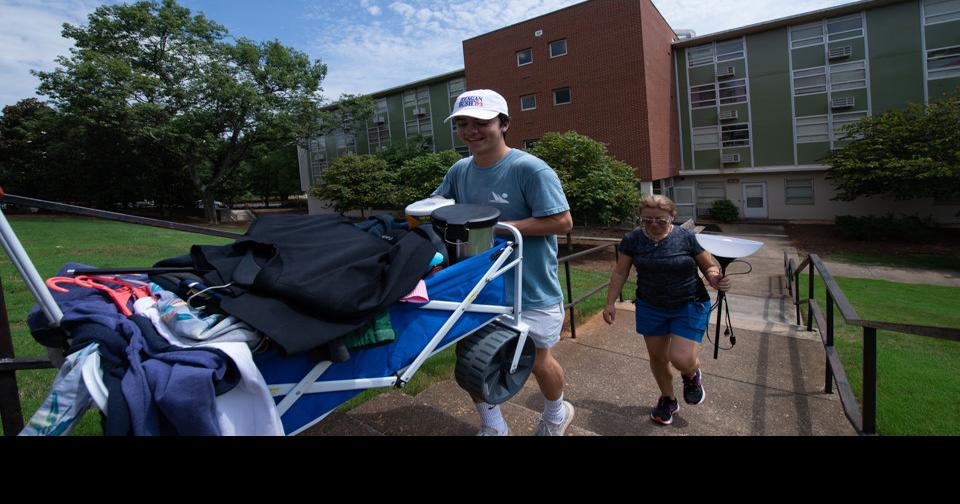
[{"x": 529, "y": 196}]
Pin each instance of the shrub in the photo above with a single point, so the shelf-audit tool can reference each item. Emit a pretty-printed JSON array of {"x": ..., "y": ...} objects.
[
  {"x": 887, "y": 228},
  {"x": 724, "y": 211},
  {"x": 356, "y": 183},
  {"x": 418, "y": 177}
]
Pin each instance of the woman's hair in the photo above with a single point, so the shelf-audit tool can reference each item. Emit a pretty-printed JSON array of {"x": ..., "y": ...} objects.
[{"x": 658, "y": 202}]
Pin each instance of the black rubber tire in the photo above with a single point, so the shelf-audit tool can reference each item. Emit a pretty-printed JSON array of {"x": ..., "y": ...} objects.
[{"x": 483, "y": 364}]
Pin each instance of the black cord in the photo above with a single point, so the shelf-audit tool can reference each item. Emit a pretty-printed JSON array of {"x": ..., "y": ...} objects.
[{"x": 729, "y": 329}]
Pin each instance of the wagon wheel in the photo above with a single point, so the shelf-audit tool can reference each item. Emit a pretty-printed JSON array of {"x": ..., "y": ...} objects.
[{"x": 483, "y": 364}]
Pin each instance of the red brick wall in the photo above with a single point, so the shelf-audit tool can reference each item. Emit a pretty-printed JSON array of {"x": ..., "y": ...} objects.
[{"x": 604, "y": 69}]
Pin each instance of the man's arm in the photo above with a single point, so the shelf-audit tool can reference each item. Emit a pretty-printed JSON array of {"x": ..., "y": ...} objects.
[{"x": 560, "y": 223}]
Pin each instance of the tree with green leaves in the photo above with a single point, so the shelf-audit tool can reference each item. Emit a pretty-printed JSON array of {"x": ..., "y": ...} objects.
[
  {"x": 357, "y": 183},
  {"x": 180, "y": 83},
  {"x": 601, "y": 190},
  {"x": 418, "y": 177},
  {"x": 906, "y": 153}
]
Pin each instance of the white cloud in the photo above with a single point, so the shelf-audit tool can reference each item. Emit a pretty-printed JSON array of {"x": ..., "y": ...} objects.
[
  {"x": 374, "y": 10},
  {"x": 30, "y": 40},
  {"x": 709, "y": 16}
]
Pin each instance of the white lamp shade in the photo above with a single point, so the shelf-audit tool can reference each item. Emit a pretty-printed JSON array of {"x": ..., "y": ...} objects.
[{"x": 725, "y": 246}]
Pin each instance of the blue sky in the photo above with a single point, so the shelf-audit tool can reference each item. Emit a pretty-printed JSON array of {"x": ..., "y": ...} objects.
[{"x": 368, "y": 45}]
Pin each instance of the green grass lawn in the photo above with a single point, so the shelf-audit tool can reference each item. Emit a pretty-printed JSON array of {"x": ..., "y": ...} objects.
[
  {"x": 53, "y": 241},
  {"x": 920, "y": 261},
  {"x": 917, "y": 389}
]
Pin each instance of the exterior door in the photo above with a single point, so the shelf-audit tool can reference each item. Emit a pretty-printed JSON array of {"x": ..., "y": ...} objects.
[{"x": 755, "y": 200}]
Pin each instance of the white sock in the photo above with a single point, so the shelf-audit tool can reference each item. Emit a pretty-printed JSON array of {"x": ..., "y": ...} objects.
[
  {"x": 553, "y": 411},
  {"x": 491, "y": 416}
]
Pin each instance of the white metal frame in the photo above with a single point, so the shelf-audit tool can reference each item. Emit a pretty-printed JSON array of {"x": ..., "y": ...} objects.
[{"x": 508, "y": 316}]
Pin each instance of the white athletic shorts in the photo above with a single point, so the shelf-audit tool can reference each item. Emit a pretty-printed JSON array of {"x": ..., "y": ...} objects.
[{"x": 545, "y": 324}]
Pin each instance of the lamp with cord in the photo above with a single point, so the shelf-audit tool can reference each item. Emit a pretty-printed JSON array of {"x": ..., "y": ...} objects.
[{"x": 726, "y": 250}]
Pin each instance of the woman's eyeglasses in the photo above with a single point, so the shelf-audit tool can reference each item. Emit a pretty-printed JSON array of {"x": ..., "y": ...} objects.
[{"x": 655, "y": 220}]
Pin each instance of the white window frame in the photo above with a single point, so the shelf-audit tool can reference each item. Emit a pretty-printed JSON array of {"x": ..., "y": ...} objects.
[
  {"x": 703, "y": 103},
  {"x": 844, "y": 34},
  {"x": 569, "y": 92},
  {"x": 346, "y": 144},
  {"x": 455, "y": 88},
  {"x": 550, "y": 48},
  {"x": 710, "y": 143},
  {"x": 735, "y": 143},
  {"x": 841, "y": 119},
  {"x": 950, "y": 13},
  {"x": 846, "y": 85},
  {"x": 707, "y": 192},
  {"x": 530, "y": 50},
  {"x": 695, "y": 59},
  {"x": 317, "y": 152},
  {"x": 797, "y": 43},
  {"x": 736, "y": 98},
  {"x": 948, "y": 72},
  {"x": 418, "y": 125},
  {"x": 534, "y": 96},
  {"x": 807, "y": 73},
  {"x": 798, "y": 200},
  {"x": 728, "y": 55},
  {"x": 809, "y": 122},
  {"x": 378, "y": 135}
]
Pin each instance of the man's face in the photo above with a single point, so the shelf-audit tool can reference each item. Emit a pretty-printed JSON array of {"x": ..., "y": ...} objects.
[{"x": 479, "y": 135}]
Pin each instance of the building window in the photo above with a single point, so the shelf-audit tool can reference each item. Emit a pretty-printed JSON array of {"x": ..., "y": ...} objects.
[
  {"x": 812, "y": 129},
  {"x": 940, "y": 11},
  {"x": 703, "y": 96},
  {"x": 846, "y": 27},
  {"x": 454, "y": 89},
  {"x": 378, "y": 127},
  {"x": 702, "y": 55},
  {"x": 809, "y": 81},
  {"x": 346, "y": 144},
  {"x": 416, "y": 113},
  {"x": 524, "y": 57},
  {"x": 848, "y": 76},
  {"x": 707, "y": 193},
  {"x": 806, "y": 35},
  {"x": 799, "y": 191},
  {"x": 558, "y": 48},
  {"x": 317, "y": 149},
  {"x": 706, "y": 138},
  {"x": 528, "y": 102},
  {"x": 561, "y": 96},
  {"x": 735, "y": 135},
  {"x": 943, "y": 63},
  {"x": 529, "y": 143},
  {"x": 840, "y": 121},
  {"x": 730, "y": 50},
  {"x": 733, "y": 92}
]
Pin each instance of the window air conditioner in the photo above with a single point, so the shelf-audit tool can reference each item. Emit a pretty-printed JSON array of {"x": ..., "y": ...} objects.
[
  {"x": 727, "y": 115},
  {"x": 726, "y": 72},
  {"x": 840, "y": 52},
  {"x": 839, "y": 103},
  {"x": 730, "y": 158}
]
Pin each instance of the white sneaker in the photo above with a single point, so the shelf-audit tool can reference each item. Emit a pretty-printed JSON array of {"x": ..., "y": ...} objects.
[
  {"x": 545, "y": 428},
  {"x": 490, "y": 431}
]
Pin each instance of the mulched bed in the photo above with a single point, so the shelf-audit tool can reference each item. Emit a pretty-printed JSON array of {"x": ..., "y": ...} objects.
[{"x": 823, "y": 240}]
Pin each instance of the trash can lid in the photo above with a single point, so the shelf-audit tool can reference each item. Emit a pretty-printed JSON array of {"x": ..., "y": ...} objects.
[{"x": 466, "y": 215}]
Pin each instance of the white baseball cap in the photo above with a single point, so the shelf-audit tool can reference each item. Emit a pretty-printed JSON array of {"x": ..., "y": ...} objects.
[{"x": 482, "y": 104}]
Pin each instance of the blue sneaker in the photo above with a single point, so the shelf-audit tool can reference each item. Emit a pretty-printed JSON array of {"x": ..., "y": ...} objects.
[
  {"x": 666, "y": 408},
  {"x": 692, "y": 389}
]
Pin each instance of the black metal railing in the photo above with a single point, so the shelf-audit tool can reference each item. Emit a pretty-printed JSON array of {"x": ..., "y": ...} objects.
[
  {"x": 570, "y": 306},
  {"x": 865, "y": 422}
]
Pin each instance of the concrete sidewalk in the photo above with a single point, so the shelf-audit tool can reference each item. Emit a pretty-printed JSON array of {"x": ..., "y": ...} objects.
[{"x": 770, "y": 383}]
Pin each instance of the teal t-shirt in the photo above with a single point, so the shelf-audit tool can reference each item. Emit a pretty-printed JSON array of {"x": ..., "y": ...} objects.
[{"x": 520, "y": 185}]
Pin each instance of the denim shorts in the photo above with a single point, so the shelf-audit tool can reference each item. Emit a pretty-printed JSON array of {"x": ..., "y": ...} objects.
[{"x": 688, "y": 321}]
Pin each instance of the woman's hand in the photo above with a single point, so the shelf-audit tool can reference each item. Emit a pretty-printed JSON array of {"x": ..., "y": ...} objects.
[
  {"x": 609, "y": 313},
  {"x": 719, "y": 282}
]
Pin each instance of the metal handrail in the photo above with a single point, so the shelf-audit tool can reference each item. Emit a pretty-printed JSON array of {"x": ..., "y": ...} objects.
[
  {"x": 565, "y": 261},
  {"x": 865, "y": 423}
]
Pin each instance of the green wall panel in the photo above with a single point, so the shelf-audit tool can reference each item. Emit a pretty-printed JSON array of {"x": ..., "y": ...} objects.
[
  {"x": 808, "y": 105},
  {"x": 439, "y": 110},
  {"x": 704, "y": 117},
  {"x": 896, "y": 65},
  {"x": 701, "y": 75},
  {"x": 807, "y": 57},
  {"x": 363, "y": 144},
  {"x": 772, "y": 122},
  {"x": 707, "y": 159},
  {"x": 812, "y": 153},
  {"x": 940, "y": 87},
  {"x": 943, "y": 35},
  {"x": 395, "y": 108}
]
